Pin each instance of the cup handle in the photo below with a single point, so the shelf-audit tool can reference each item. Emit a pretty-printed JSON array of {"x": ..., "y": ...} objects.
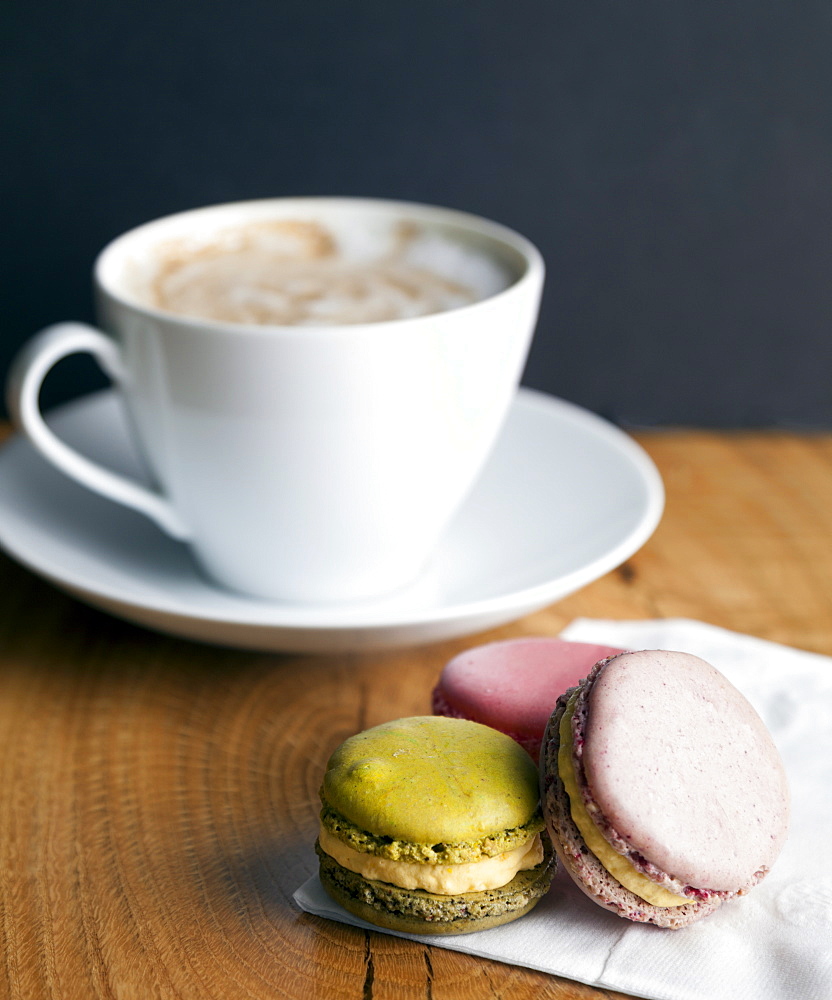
[{"x": 26, "y": 376}]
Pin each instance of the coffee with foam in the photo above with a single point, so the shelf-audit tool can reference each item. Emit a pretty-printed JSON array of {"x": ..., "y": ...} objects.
[{"x": 300, "y": 272}]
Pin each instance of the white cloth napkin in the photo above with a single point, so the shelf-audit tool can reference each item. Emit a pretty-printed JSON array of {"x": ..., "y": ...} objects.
[{"x": 775, "y": 943}]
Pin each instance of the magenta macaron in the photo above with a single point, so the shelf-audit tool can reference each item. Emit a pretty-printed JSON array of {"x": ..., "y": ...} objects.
[{"x": 513, "y": 685}]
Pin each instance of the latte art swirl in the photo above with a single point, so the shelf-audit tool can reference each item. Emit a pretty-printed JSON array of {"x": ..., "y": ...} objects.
[
  {"x": 297, "y": 273},
  {"x": 248, "y": 288}
]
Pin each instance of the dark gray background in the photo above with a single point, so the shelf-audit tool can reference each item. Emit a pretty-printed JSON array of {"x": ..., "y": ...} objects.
[{"x": 672, "y": 160}]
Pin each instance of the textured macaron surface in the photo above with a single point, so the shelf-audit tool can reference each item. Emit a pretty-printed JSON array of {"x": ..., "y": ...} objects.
[
  {"x": 513, "y": 685},
  {"x": 430, "y": 779},
  {"x": 585, "y": 868},
  {"x": 683, "y": 769}
]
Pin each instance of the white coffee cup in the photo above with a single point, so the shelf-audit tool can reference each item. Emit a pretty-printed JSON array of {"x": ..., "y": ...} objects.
[{"x": 300, "y": 463}]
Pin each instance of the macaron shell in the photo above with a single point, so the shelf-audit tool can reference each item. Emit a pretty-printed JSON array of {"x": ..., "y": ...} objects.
[
  {"x": 584, "y": 868},
  {"x": 684, "y": 770},
  {"x": 431, "y": 780},
  {"x": 513, "y": 685}
]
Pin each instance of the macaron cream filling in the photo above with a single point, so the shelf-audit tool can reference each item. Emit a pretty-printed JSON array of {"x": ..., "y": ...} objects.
[
  {"x": 451, "y": 880},
  {"x": 616, "y": 864},
  {"x": 397, "y": 849}
]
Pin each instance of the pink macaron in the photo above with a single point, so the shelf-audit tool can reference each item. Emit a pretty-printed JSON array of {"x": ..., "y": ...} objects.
[
  {"x": 513, "y": 685},
  {"x": 662, "y": 789}
]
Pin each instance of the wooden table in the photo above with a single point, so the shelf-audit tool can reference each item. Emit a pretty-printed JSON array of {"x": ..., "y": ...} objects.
[{"x": 159, "y": 797}]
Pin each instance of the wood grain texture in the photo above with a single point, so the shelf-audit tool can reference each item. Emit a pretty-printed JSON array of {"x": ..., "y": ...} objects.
[{"x": 159, "y": 797}]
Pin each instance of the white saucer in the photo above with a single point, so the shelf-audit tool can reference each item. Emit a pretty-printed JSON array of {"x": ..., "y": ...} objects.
[{"x": 566, "y": 497}]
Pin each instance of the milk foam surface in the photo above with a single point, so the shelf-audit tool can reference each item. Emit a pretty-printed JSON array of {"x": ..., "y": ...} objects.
[{"x": 299, "y": 273}]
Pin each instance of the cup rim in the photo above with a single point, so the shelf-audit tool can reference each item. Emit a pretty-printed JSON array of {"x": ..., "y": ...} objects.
[{"x": 533, "y": 270}]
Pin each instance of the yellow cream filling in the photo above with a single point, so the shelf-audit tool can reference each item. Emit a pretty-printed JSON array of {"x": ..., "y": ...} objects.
[
  {"x": 617, "y": 865},
  {"x": 448, "y": 880}
]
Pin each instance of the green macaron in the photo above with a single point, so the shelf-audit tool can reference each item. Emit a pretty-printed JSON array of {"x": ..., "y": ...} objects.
[{"x": 432, "y": 825}]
